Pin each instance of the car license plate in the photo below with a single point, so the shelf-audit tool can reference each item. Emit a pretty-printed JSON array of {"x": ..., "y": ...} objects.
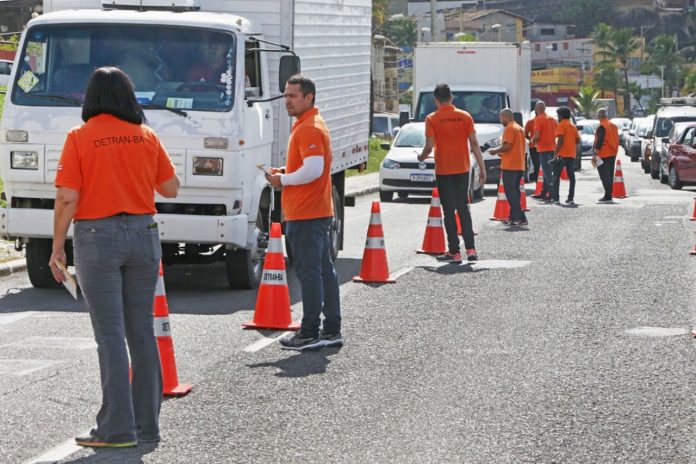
[{"x": 422, "y": 178}]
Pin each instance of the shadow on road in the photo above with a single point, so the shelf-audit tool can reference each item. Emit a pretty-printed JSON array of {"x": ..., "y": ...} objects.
[
  {"x": 198, "y": 290},
  {"x": 301, "y": 365},
  {"x": 452, "y": 269}
]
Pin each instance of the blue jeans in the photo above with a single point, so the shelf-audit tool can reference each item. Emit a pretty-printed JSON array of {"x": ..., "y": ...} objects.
[
  {"x": 544, "y": 158},
  {"x": 117, "y": 261},
  {"x": 310, "y": 247}
]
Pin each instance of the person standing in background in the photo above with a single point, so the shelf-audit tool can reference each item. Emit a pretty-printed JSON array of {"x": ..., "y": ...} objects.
[
  {"x": 606, "y": 147},
  {"x": 533, "y": 155},
  {"x": 566, "y": 142},
  {"x": 512, "y": 165},
  {"x": 106, "y": 178},
  {"x": 545, "y": 141}
]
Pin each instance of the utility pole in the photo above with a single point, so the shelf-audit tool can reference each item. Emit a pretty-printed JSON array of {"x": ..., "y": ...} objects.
[{"x": 433, "y": 20}]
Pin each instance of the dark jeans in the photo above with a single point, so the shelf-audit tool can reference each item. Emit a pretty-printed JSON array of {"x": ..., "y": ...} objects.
[
  {"x": 310, "y": 245},
  {"x": 569, "y": 164},
  {"x": 511, "y": 182},
  {"x": 544, "y": 158},
  {"x": 117, "y": 261},
  {"x": 535, "y": 164},
  {"x": 606, "y": 173},
  {"x": 454, "y": 196}
]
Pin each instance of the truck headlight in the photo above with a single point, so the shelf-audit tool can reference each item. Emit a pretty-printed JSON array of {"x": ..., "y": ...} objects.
[
  {"x": 203, "y": 166},
  {"x": 24, "y": 160},
  {"x": 389, "y": 163},
  {"x": 494, "y": 143}
]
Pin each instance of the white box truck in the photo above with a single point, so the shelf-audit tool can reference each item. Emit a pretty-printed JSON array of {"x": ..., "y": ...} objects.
[
  {"x": 485, "y": 77},
  {"x": 216, "y": 130}
]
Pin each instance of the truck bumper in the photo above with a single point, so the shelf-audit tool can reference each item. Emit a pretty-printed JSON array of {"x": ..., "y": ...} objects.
[{"x": 175, "y": 228}]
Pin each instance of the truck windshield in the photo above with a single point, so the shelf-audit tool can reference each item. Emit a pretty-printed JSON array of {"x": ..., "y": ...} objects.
[
  {"x": 484, "y": 107},
  {"x": 171, "y": 67}
]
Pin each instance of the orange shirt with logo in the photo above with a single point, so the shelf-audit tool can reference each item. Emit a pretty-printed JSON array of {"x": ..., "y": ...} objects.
[
  {"x": 570, "y": 135},
  {"x": 450, "y": 127},
  {"x": 529, "y": 132},
  {"x": 309, "y": 137},
  {"x": 513, "y": 159},
  {"x": 115, "y": 166},
  {"x": 546, "y": 126},
  {"x": 611, "y": 139}
]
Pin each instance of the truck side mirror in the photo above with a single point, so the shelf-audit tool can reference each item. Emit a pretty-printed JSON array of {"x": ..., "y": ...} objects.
[
  {"x": 289, "y": 66},
  {"x": 518, "y": 118},
  {"x": 403, "y": 118}
]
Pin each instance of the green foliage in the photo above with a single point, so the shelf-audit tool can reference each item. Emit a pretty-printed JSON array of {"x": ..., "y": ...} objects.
[
  {"x": 374, "y": 157},
  {"x": 465, "y": 37},
  {"x": 586, "y": 101},
  {"x": 606, "y": 78},
  {"x": 601, "y": 36},
  {"x": 690, "y": 82},
  {"x": 12, "y": 46},
  {"x": 585, "y": 14},
  {"x": 664, "y": 55},
  {"x": 403, "y": 32}
]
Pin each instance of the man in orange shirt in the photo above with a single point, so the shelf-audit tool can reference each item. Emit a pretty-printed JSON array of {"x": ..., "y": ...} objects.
[
  {"x": 308, "y": 209},
  {"x": 605, "y": 148},
  {"x": 449, "y": 131},
  {"x": 545, "y": 141},
  {"x": 567, "y": 139},
  {"x": 529, "y": 135},
  {"x": 512, "y": 165}
]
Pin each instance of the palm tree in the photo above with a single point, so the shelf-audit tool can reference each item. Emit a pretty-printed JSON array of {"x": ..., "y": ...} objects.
[
  {"x": 622, "y": 44},
  {"x": 586, "y": 101},
  {"x": 690, "y": 82},
  {"x": 606, "y": 78},
  {"x": 601, "y": 37},
  {"x": 663, "y": 53}
]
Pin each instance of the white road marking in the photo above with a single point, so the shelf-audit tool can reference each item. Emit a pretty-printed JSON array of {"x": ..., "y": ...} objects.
[
  {"x": 658, "y": 331},
  {"x": 401, "y": 272},
  {"x": 20, "y": 367},
  {"x": 7, "y": 319},
  {"x": 58, "y": 453},
  {"x": 499, "y": 264},
  {"x": 264, "y": 342}
]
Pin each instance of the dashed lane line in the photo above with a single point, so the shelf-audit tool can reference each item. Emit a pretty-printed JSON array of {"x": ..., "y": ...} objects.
[
  {"x": 58, "y": 453},
  {"x": 264, "y": 342}
]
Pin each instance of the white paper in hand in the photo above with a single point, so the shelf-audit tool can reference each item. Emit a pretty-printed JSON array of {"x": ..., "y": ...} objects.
[
  {"x": 599, "y": 162},
  {"x": 70, "y": 283}
]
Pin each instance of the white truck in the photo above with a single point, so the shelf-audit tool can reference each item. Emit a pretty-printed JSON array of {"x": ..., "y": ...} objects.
[
  {"x": 216, "y": 131},
  {"x": 484, "y": 77}
]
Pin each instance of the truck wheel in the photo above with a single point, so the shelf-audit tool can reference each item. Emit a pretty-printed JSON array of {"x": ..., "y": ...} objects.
[
  {"x": 674, "y": 181},
  {"x": 245, "y": 267},
  {"x": 38, "y": 252},
  {"x": 664, "y": 178},
  {"x": 336, "y": 230},
  {"x": 646, "y": 167},
  {"x": 386, "y": 196}
]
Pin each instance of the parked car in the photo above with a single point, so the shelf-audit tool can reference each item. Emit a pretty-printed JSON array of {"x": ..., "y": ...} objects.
[
  {"x": 665, "y": 118},
  {"x": 681, "y": 158},
  {"x": 5, "y": 69},
  {"x": 631, "y": 137},
  {"x": 385, "y": 125},
  {"x": 623, "y": 124},
  {"x": 403, "y": 174},
  {"x": 587, "y": 137},
  {"x": 675, "y": 134}
]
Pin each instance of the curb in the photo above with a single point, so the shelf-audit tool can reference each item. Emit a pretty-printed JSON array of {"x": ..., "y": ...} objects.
[
  {"x": 363, "y": 192},
  {"x": 13, "y": 267}
]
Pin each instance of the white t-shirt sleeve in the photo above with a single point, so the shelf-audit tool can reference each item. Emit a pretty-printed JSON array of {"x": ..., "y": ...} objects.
[{"x": 311, "y": 170}]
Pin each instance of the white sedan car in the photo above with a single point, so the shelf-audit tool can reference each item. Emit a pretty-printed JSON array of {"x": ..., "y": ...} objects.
[{"x": 403, "y": 174}]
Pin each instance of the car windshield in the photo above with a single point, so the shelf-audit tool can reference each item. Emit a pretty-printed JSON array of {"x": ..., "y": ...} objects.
[
  {"x": 484, "y": 107},
  {"x": 411, "y": 136},
  {"x": 176, "y": 68},
  {"x": 379, "y": 125},
  {"x": 679, "y": 127},
  {"x": 588, "y": 129}
]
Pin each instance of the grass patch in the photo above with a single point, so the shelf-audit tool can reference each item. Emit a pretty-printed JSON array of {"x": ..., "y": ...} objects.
[{"x": 374, "y": 158}]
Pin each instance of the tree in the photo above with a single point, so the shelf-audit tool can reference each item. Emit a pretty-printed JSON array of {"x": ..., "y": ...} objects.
[
  {"x": 379, "y": 13},
  {"x": 403, "y": 32},
  {"x": 606, "y": 78},
  {"x": 637, "y": 92},
  {"x": 586, "y": 101},
  {"x": 622, "y": 44},
  {"x": 585, "y": 14},
  {"x": 664, "y": 56},
  {"x": 464, "y": 37},
  {"x": 601, "y": 36},
  {"x": 690, "y": 82}
]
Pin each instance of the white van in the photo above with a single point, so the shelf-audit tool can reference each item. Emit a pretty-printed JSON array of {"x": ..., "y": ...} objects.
[{"x": 672, "y": 110}]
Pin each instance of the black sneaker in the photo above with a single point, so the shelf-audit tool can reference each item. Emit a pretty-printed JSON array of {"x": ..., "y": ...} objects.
[
  {"x": 605, "y": 200},
  {"x": 471, "y": 255},
  {"x": 328, "y": 339},
  {"x": 569, "y": 201},
  {"x": 298, "y": 342}
]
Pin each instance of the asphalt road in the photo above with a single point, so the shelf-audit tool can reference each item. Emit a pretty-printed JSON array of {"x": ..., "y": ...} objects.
[{"x": 567, "y": 342}]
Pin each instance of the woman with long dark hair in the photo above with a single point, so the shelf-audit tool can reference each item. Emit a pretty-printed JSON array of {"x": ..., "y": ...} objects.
[{"x": 107, "y": 176}]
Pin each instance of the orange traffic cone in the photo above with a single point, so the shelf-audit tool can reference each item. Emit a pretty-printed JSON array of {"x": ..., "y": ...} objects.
[
  {"x": 618, "y": 189},
  {"x": 693, "y": 215},
  {"x": 502, "y": 207},
  {"x": 434, "y": 239},
  {"x": 375, "y": 268},
  {"x": 163, "y": 332},
  {"x": 564, "y": 174},
  {"x": 523, "y": 196},
  {"x": 273, "y": 300},
  {"x": 693, "y": 252},
  {"x": 539, "y": 183}
]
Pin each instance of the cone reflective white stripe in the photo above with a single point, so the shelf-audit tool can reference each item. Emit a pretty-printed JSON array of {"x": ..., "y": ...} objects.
[
  {"x": 435, "y": 202},
  {"x": 374, "y": 243},
  {"x": 434, "y": 222},
  {"x": 502, "y": 196},
  {"x": 159, "y": 288},
  {"x": 618, "y": 178},
  {"x": 273, "y": 277},
  {"x": 275, "y": 246},
  {"x": 162, "y": 327},
  {"x": 375, "y": 219}
]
